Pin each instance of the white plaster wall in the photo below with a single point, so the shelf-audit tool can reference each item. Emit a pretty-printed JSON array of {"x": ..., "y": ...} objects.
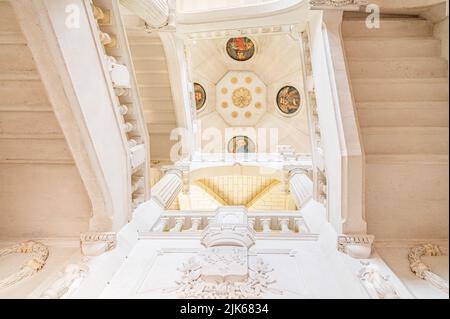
[{"x": 42, "y": 200}]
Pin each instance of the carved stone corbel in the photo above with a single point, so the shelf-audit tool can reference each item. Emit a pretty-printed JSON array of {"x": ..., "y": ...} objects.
[
  {"x": 357, "y": 246},
  {"x": 97, "y": 243}
]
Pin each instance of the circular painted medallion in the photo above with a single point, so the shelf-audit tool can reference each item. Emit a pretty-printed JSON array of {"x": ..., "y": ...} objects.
[
  {"x": 288, "y": 100},
  {"x": 241, "y": 144},
  {"x": 200, "y": 96},
  {"x": 240, "y": 49}
]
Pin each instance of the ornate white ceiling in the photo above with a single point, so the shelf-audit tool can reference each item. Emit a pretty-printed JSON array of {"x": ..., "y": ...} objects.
[{"x": 276, "y": 64}]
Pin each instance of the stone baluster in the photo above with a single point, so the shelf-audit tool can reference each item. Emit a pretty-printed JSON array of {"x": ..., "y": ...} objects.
[
  {"x": 252, "y": 222},
  {"x": 284, "y": 225},
  {"x": 196, "y": 222},
  {"x": 300, "y": 185},
  {"x": 123, "y": 109},
  {"x": 167, "y": 189},
  {"x": 155, "y": 12},
  {"x": 162, "y": 224},
  {"x": 265, "y": 222},
  {"x": 179, "y": 222},
  {"x": 300, "y": 226}
]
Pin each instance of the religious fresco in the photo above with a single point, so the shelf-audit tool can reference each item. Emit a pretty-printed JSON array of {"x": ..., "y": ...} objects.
[
  {"x": 200, "y": 96},
  {"x": 240, "y": 49},
  {"x": 288, "y": 100},
  {"x": 241, "y": 144}
]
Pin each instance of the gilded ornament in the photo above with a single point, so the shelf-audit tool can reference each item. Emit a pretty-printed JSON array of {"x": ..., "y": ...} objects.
[{"x": 242, "y": 97}]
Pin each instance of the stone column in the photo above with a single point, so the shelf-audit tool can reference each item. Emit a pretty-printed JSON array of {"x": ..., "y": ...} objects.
[
  {"x": 154, "y": 12},
  {"x": 167, "y": 189},
  {"x": 300, "y": 185}
]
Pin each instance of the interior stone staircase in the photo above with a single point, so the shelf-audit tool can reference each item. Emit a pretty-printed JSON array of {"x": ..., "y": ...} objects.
[
  {"x": 400, "y": 87},
  {"x": 38, "y": 177},
  {"x": 153, "y": 79}
]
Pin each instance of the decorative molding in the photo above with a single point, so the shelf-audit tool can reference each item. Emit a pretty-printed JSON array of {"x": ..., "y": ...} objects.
[
  {"x": 377, "y": 285},
  {"x": 357, "y": 246},
  {"x": 39, "y": 253},
  {"x": 67, "y": 279},
  {"x": 337, "y": 4},
  {"x": 223, "y": 270},
  {"x": 423, "y": 271},
  {"x": 193, "y": 286},
  {"x": 97, "y": 243}
]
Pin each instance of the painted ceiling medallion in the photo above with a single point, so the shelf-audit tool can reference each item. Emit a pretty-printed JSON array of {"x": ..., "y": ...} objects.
[
  {"x": 288, "y": 100},
  {"x": 237, "y": 101},
  {"x": 240, "y": 49},
  {"x": 242, "y": 97},
  {"x": 200, "y": 96},
  {"x": 241, "y": 144}
]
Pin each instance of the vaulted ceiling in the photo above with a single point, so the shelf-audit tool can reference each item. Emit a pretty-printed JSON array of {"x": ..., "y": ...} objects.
[{"x": 276, "y": 63}]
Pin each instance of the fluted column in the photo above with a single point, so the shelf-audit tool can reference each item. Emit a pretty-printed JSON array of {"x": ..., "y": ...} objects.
[
  {"x": 154, "y": 12},
  {"x": 300, "y": 185},
  {"x": 167, "y": 189}
]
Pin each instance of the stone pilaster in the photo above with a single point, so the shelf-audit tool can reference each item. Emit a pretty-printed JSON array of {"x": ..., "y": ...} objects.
[
  {"x": 155, "y": 12},
  {"x": 300, "y": 184},
  {"x": 169, "y": 186}
]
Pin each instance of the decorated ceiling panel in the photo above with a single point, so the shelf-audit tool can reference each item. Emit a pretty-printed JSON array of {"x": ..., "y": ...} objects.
[
  {"x": 241, "y": 98},
  {"x": 251, "y": 82}
]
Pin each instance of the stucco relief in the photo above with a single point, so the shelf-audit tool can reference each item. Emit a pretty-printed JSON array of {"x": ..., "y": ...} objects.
[{"x": 39, "y": 254}]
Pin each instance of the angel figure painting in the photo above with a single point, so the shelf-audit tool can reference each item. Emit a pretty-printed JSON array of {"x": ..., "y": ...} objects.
[
  {"x": 240, "y": 49},
  {"x": 288, "y": 100}
]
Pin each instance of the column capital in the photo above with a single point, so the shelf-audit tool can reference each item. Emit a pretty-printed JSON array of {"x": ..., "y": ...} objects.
[{"x": 356, "y": 245}]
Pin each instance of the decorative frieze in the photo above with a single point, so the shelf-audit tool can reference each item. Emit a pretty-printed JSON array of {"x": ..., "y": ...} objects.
[
  {"x": 39, "y": 254},
  {"x": 357, "y": 245},
  {"x": 377, "y": 285},
  {"x": 423, "y": 271},
  {"x": 97, "y": 243}
]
